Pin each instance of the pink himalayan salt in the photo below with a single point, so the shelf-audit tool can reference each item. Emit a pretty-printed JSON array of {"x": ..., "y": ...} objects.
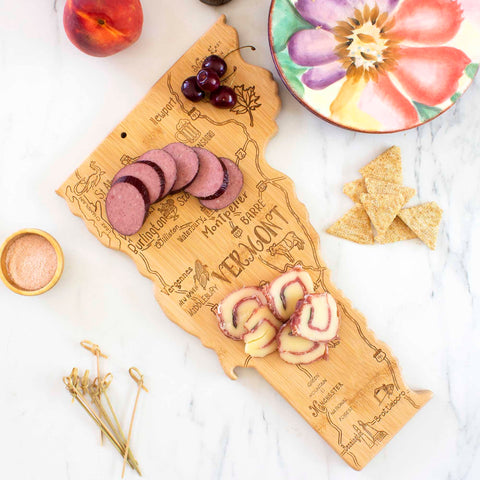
[{"x": 31, "y": 262}]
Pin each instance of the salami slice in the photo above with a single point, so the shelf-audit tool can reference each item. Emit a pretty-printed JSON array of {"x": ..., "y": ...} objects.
[
  {"x": 210, "y": 179},
  {"x": 224, "y": 186},
  {"x": 127, "y": 204},
  {"x": 149, "y": 173},
  {"x": 187, "y": 164},
  {"x": 166, "y": 163},
  {"x": 235, "y": 185}
]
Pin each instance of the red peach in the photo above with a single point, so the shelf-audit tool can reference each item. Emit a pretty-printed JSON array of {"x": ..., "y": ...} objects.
[{"x": 103, "y": 27}]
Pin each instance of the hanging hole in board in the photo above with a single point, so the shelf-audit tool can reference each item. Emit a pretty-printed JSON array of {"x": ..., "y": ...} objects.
[{"x": 123, "y": 135}]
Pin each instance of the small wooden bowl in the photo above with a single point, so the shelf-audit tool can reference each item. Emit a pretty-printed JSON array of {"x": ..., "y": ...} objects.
[{"x": 3, "y": 267}]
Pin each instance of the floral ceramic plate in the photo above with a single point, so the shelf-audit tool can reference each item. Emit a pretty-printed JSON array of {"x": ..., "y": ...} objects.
[{"x": 376, "y": 65}]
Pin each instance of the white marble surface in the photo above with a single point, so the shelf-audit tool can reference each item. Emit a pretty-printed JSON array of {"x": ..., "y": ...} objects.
[{"x": 56, "y": 105}]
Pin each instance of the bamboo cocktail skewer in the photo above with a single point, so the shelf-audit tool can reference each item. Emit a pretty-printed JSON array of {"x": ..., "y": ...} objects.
[
  {"x": 81, "y": 399},
  {"x": 103, "y": 386},
  {"x": 114, "y": 425},
  {"x": 95, "y": 349},
  {"x": 138, "y": 378},
  {"x": 95, "y": 396},
  {"x": 74, "y": 379},
  {"x": 85, "y": 382}
]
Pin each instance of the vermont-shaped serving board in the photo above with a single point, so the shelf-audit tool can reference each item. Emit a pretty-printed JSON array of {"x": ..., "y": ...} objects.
[{"x": 357, "y": 400}]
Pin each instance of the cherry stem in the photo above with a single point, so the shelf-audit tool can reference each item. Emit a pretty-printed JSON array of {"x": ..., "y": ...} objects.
[
  {"x": 239, "y": 48},
  {"x": 228, "y": 76}
]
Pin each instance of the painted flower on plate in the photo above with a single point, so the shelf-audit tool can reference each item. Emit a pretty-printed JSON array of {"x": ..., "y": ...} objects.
[{"x": 385, "y": 62}]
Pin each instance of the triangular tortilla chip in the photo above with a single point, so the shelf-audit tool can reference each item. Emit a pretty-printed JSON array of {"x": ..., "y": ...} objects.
[
  {"x": 424, "y": 220},
  {"x": 396, "y": 232},
  {"x": 354, "y": 226},
  {"x": 374, "y": 185},
  {"x": 386, "y": 167},
  {"x": 382, "y": 208},
  {"x": 355, "y": 189}
]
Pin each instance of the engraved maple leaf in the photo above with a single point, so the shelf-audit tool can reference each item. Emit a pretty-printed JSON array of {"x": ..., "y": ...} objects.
[{"x": 247, "y": 101}]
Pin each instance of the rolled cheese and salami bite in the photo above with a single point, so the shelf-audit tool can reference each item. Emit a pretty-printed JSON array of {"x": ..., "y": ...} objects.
[
  {"x": 235, "y": 309},
  {"x": 212, "y": 177},
  {"x": 127, "y": 205},
  {"x": 316, "y": 318},
  {"x": 298, "y": 350},
  {"x": 187, "y": 164},
  {"x": 166, "y": 163},
  {"x": 149, "y": 173},
  {"x": 289, "y": 318},
  {"x": 261, "y": 337},
  {"x": 234, "y": 187},
  {"x": 286, "y": 291}
]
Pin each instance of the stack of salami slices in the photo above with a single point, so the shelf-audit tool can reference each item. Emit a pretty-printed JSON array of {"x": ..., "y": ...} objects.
[{"x": 216, "y": 182}]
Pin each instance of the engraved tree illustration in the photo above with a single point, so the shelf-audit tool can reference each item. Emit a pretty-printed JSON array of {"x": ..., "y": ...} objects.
[{"x": 247, "y": 101}]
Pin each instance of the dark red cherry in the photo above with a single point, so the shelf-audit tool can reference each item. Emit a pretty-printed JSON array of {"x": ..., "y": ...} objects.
[
  {"x": 208, "y": 79},
  {"x": 223, "y": 97},
  {"x": 191, "y": 90},
  {"x": 215, "y": 63}
]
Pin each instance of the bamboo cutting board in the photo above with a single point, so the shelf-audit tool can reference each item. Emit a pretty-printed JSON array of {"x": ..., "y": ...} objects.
[{"x": 357, "y": 400}]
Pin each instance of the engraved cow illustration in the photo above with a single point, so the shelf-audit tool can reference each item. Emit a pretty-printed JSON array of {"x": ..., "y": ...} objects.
[{"x": 286, "y": 245}]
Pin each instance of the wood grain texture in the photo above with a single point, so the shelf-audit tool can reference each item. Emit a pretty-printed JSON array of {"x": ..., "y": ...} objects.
[{"x": 357, "y": 400}]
